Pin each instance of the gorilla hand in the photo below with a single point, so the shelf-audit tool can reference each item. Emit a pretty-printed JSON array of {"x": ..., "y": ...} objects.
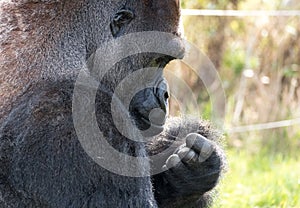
[
  {"x": 197, "y": 161},
  {"x": 190, "y": 173}
]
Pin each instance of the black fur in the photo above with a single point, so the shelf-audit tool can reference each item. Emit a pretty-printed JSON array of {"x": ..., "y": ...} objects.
[{"x": 43, "y": 165}]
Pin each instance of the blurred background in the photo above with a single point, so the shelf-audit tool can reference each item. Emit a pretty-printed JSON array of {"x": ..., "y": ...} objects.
[{"x": 258, "y": 59}]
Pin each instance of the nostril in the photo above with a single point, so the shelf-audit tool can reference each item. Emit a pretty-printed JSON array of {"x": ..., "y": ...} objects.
[
  {"x": 162, "y": 94},
  {"x": 162, "y": 97},
  {"x": 166, "y": 95}
]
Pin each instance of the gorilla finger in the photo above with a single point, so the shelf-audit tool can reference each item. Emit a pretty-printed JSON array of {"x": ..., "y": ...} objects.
[
  {"x": 195, "y": 141},
  {"x": 200, "y": 144},
  {"x": 206, "y": 150},
  {"x": 186, "y": 154},
  {"x": 172, "y": 161}
]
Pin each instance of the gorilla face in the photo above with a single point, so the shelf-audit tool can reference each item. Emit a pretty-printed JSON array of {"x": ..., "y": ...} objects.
[{"x": 148, "y": 106}]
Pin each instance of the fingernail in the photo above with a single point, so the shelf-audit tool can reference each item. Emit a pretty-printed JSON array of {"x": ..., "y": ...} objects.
[{"x": 172, "y": 161}]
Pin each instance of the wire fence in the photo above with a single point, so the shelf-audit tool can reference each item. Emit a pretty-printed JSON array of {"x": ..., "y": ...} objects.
[
  {"x": 264, "y": 126},
  {"x": 240, "y": 13},
  {"x": 250, "y": 13}
]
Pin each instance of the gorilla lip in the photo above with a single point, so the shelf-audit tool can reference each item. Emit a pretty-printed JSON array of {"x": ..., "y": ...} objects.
[
  {"x": 152, "y": 124},
  {"x": 152, "y": 130}
]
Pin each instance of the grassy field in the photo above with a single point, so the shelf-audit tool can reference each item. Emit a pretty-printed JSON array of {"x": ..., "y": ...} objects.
[{"x": 260, "y": 179}]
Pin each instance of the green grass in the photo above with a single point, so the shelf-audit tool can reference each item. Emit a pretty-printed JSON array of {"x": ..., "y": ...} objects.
[{"x": 260, "y": 179}]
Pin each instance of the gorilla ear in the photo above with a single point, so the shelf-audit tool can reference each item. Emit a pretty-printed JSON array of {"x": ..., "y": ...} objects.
[{"x": 121, "y": 18}]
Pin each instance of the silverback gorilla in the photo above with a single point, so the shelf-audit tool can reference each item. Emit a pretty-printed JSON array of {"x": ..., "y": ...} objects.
[{"x": 44, "y": 44}]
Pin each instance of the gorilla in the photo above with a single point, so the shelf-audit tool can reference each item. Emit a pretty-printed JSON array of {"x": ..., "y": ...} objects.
[{"x": 44, "y": 45}]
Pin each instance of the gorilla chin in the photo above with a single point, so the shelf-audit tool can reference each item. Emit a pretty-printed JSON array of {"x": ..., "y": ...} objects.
[{"x": 153, "y": 125}]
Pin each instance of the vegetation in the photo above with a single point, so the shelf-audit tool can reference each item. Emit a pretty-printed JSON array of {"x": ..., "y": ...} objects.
[
  {"x": 258, "y": 59},
  {"x": 260, "y": 180}
]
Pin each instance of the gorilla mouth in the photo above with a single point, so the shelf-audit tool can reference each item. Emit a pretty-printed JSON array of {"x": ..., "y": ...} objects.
[
  {"x": 146, "y": 121},
  {"x": 152, "y": 124},
  {"x": 156, "y": 121}
]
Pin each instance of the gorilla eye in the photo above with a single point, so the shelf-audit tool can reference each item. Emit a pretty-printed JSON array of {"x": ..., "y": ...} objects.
[{"x": 121, "y": 18}]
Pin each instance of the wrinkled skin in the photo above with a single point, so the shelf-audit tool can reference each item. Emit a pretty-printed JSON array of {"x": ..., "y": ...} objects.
[{"x": 44, "y": 44}]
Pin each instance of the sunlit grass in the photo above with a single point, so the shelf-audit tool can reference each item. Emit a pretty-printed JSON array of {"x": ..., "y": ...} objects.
[{"x": 260, "y": 180}]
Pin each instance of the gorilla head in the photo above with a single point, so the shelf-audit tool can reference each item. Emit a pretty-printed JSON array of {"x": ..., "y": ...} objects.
[
  {"x": 148, "y": 106},
  {"x": 45, "y": 44}
]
